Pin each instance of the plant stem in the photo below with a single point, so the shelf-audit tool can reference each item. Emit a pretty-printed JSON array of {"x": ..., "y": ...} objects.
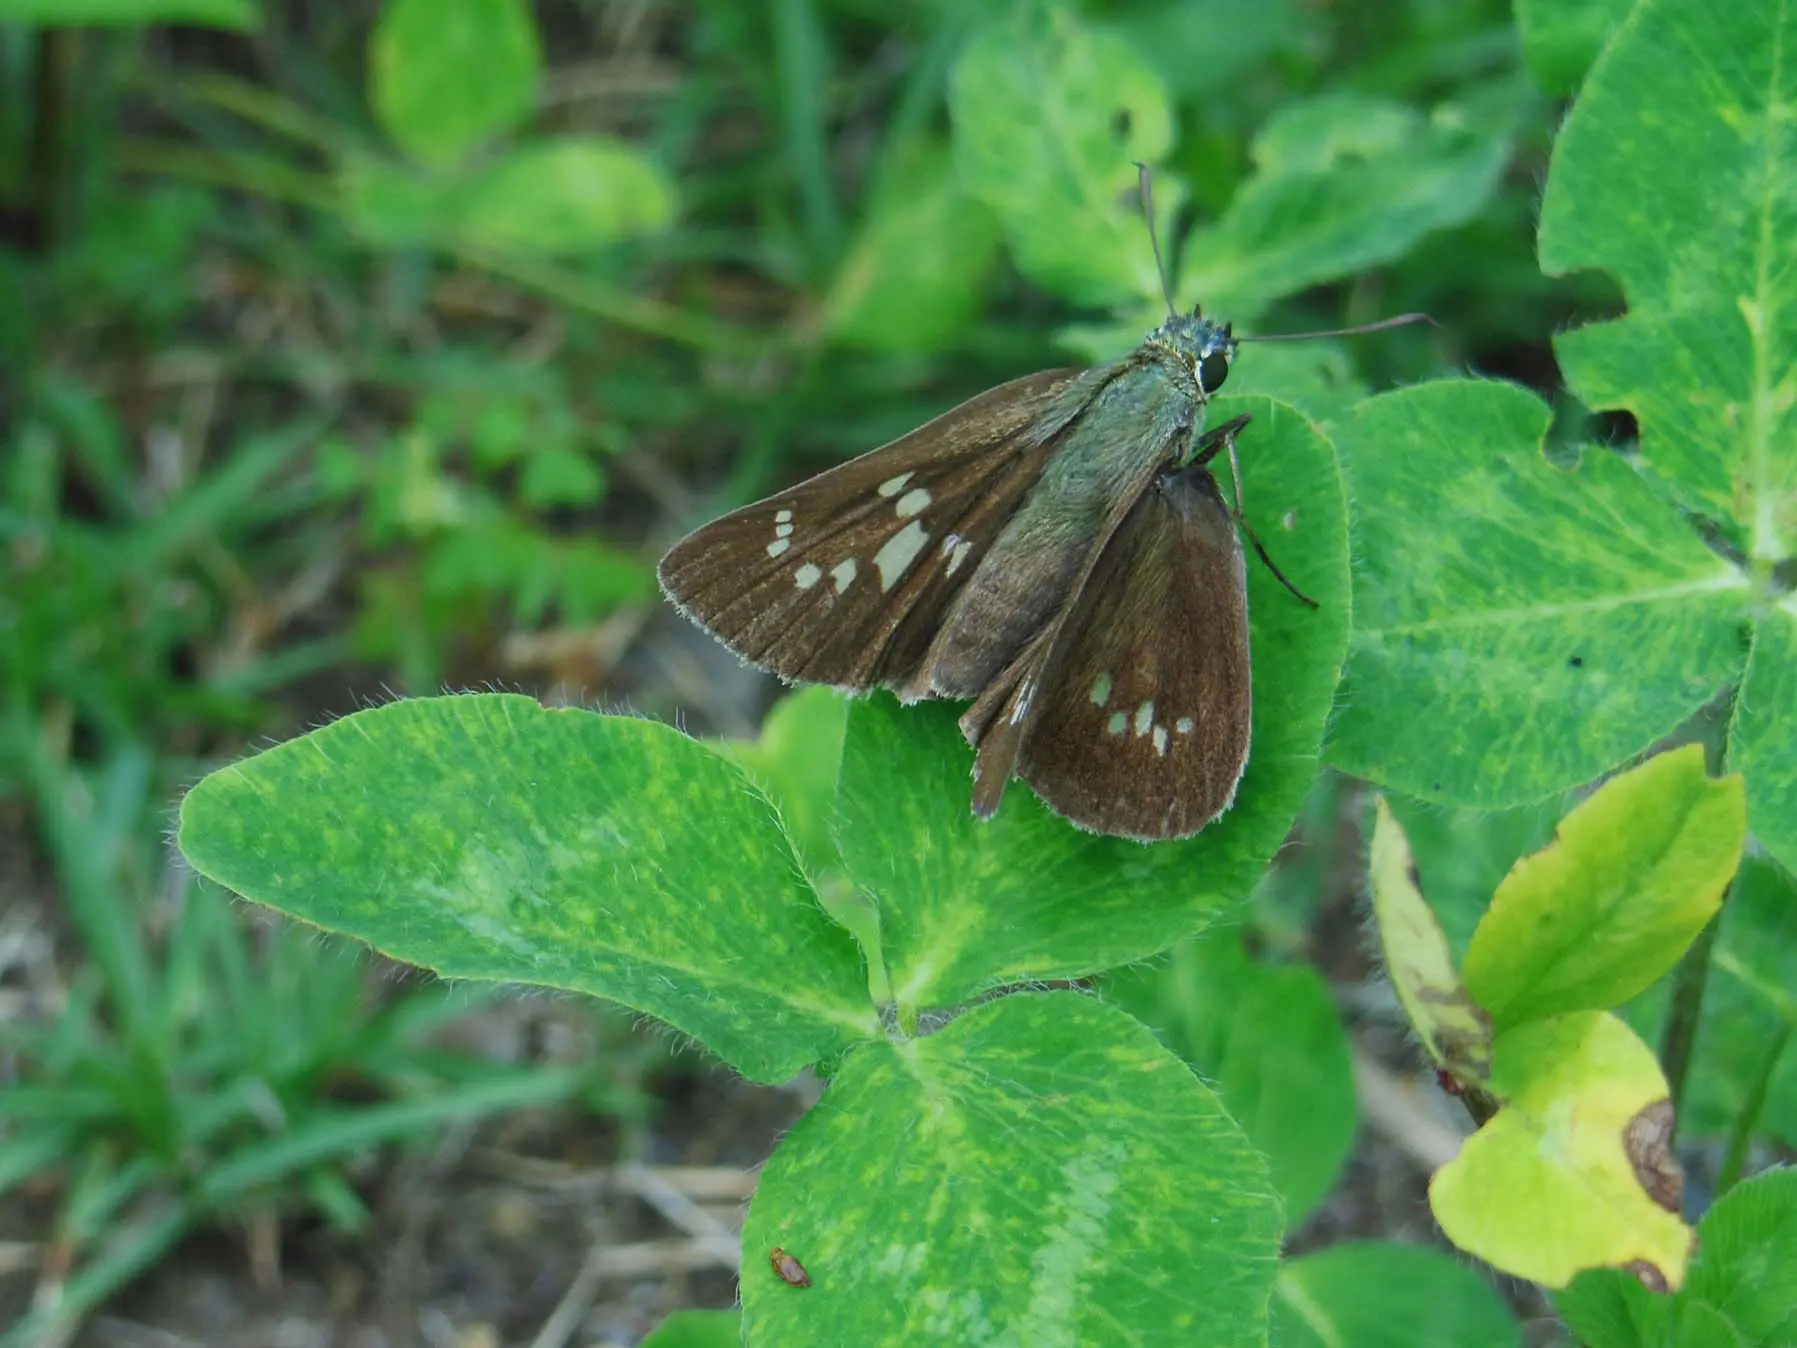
[
  {"x": 1747, "y": 1120},
  {"x": 646, "y": 316},
  {"x": 269, "y": 111},
  {"x": 240, "y": 173},
  {"x": 1679, "y": 1039},
  {"x": 49, "y": 191}
]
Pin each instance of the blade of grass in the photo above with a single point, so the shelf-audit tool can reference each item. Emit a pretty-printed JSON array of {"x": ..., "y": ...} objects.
[
  {"x": 132, "y": 1248},
  {"x": 344, "y": 1133},
  {"x": 801, "y": 56}
]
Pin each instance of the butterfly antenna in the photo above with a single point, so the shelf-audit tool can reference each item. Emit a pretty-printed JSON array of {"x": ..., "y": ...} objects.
[
  {"x": 1154, "y": 239},
  {"x": 1402, "y": 320}
]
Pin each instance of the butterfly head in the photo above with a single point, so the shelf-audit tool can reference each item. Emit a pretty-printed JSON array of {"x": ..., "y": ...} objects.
[{"x": 1204, "y": 347}]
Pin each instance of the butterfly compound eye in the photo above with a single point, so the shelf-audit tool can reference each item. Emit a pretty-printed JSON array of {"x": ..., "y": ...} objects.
[{"x": 1212, "y": 371}]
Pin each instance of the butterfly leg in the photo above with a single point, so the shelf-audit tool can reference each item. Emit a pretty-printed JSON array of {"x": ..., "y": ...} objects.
[
  {"x": 1218, "y": 438},
  {"x": 1223, "y": 439}
]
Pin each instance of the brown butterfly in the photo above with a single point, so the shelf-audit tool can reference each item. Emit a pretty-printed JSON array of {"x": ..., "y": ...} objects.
[{"x": 1055, "y": 549}]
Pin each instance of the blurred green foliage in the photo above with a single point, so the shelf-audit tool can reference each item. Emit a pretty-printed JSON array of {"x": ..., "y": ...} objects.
[{"x": 457, "y": 276}]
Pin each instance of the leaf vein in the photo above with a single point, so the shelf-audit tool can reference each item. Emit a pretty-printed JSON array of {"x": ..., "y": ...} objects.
[{"x": 1730, "y": 579}]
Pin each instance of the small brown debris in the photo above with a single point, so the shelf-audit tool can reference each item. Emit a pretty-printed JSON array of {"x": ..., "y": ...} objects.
[{"x": 791, "y": 1271}]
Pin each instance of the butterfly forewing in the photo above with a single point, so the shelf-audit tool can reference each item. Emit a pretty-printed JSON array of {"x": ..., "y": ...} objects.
[
  {"x": 840, "y": 579},
  {"x": 1139, "y": 727}
]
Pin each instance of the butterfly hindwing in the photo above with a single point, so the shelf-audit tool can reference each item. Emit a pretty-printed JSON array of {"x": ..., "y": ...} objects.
[
  {"x": 1139, "y": 725},
  {"x": 840, "y": 579}
]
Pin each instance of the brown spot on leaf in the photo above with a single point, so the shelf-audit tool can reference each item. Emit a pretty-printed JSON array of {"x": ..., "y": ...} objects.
[{"x": 1648, "y": 1142}]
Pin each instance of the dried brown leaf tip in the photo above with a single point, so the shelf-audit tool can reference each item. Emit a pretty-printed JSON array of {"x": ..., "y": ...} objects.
[{"x": 791, "y": 1271}]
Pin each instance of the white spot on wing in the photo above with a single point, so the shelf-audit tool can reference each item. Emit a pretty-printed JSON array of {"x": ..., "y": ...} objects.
[
  {"x": 1144, "y": 717},
  {"x": 1101, "y": 690},
  {"x": 807, "y": 576},
  {"x": 1023, "y": 703},
  {"x": 1118, "y": 722},
  {"x": 899, "y": 551},
  {"x": 843, "y": 573},
  {"x": 956, "y": 548},
  {"x": 783, "y": 531},
  {"x": 1160, "y": 740},
  {"x": 778, "y": 546},
  {"x": 912, "y": 503},
  {"x": 783, "y": 517},
  {"x": 1184, "y": 725},
  {"x": 892, "y": 486}
]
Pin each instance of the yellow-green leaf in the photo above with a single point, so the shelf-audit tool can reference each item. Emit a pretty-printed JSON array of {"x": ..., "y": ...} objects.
[
  {"x": 1452, "y": 1026},
  {"x": 1613, "y": 902},
  {"x": 1550, "y": 1186}
]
